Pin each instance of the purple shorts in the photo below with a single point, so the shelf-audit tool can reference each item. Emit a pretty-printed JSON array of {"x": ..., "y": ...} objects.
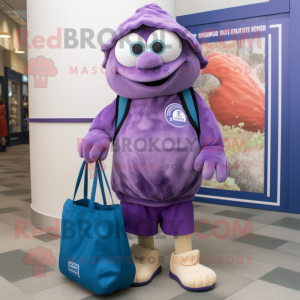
[{"x": 176, "y": 219}]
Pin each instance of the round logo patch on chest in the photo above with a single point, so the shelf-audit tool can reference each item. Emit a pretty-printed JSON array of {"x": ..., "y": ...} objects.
[{"x": 176, "y": 115}]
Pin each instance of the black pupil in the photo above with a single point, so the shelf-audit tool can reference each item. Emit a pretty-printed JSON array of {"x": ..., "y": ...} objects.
[
  {"x": 157, "y": 47},
  {"x": 137, "y": 49}
]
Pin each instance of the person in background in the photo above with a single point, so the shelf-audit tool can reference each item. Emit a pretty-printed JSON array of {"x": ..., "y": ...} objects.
[
  {"x": 3, "y": 125},
  {"x": 26, "y": 116},
  {"x": 25, "y": 107}
]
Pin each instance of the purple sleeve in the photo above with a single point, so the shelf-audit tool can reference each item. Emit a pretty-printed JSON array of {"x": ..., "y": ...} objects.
[
  {"x": 210, "y": 134},
  {"x": 105, "y": 121},
  {"x": 212, "y": 156},
  {"x": 95, "y": 145}
]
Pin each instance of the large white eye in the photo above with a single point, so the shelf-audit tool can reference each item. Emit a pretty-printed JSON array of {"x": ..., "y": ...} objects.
[
  {"x": 129, "y": 48},
  {"x": 166, "y": 44}
]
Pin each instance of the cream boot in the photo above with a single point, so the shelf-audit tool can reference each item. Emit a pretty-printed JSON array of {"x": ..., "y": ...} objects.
[
  {"x": 186, "y": 269},
  {"x": 146, "y": 260}
]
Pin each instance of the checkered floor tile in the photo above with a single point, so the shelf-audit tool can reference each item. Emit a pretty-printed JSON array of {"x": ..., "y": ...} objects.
[{"x": 262, "y": 263}]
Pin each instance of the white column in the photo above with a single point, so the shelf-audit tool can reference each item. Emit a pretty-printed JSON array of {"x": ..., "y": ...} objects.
[{"x": 54, "y": 159}]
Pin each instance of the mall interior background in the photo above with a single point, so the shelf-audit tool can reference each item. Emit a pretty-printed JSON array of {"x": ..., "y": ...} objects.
[{"x": 37, "y": 178}]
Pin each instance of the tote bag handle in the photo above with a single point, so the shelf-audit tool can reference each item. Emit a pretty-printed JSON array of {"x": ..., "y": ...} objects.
[
  {"x": 84, "y": 166},
  {"x": 92, "y": 201},
  {"x": 99, "y": 170},
  {"x": 102, "y": 169}
]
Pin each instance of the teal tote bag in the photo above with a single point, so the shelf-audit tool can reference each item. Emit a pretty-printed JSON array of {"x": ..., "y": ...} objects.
[{"x": 94, "y": 249}]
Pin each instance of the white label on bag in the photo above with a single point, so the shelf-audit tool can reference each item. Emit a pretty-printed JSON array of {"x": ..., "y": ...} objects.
[{"x": 73, "y": 268}]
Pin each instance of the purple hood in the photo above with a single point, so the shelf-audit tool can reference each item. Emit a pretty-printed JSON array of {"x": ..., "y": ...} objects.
[{"x": 153, "y": 16}]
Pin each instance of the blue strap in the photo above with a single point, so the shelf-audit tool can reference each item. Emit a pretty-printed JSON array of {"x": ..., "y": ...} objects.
[
  {"x": 86, "y": 182},
  {"x": 98, "y": 172},
  {"x": 101, "y": 166},
  {"x": 92, "y": 202},
  {"x": 188, "y": 98},
  {"x": 121, "y": 110},
  {"x": 101, "y": 183},
  {"x": 84, "y": 165}
]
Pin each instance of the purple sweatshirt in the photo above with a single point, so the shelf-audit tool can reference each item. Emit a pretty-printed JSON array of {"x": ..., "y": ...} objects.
[{"x": 153, "y": 161}]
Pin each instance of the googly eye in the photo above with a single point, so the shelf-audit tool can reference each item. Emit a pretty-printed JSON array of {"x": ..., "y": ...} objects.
[
  {"x": 158, "y": 47},
  {"x": 166, "y": 44},
  {"x": 137, "y": 48},
  {"x": 45, "y": 68},
  {"x": 129, "y": 48}
]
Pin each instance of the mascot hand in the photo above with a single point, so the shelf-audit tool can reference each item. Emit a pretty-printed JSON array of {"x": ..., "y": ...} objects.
[
  {"x": 95, "y": 145},
  {"x": 209, "y": 159}
]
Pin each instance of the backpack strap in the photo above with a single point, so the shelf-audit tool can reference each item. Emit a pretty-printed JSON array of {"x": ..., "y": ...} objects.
[
  {"x": 122, "y": 110},
  {"x": 190, "y": 106}
]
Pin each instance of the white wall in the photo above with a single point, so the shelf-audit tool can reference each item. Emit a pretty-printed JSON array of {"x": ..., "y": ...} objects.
[
  {"x": 9, "y": 26},
  {"x": 54, "y": 164},
  {"x": 53, "y": 154},
  {"x": 186, "y": 7}
]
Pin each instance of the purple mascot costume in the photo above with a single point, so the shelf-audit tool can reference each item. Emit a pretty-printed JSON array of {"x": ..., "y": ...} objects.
[{"x": 165, "y": 140}]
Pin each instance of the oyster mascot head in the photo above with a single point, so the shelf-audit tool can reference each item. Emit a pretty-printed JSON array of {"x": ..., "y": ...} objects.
[{"x": 165, "y": 137}]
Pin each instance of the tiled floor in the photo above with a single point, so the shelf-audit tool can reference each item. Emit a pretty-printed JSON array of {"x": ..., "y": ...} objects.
[{"x": 263, "y": 266}]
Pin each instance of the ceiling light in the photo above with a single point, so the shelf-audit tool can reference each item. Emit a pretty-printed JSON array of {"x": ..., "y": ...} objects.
[
  {"x": 4, "y": 35},
  {"x": 19, "y": 50}
]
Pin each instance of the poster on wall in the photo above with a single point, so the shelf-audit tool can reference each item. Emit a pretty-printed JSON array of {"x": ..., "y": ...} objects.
[
  {"x": 246, "y": 85},
  {"x": 233, "y": 86}
]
